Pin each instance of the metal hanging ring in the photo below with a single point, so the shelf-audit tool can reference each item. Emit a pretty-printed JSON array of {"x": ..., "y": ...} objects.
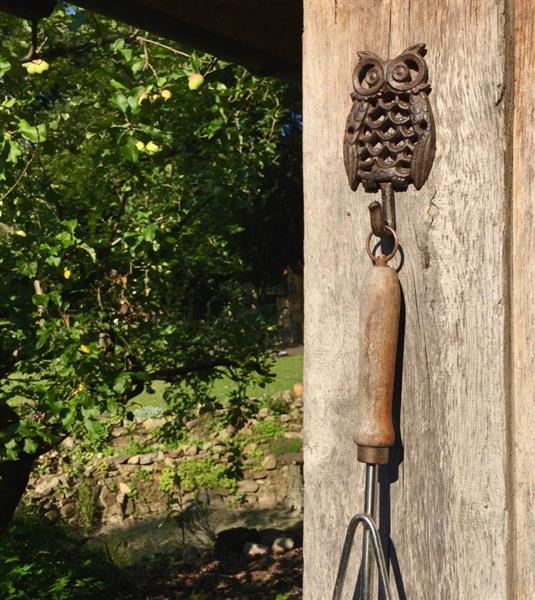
[{"x": 394, "y": 250}]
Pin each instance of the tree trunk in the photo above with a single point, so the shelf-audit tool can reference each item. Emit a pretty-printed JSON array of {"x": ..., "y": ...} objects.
[
  {"x": 456, "y": 501},
  {"x": 14, "y": 475}
]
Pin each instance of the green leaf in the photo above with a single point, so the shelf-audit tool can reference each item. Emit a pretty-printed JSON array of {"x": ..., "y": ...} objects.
[
  {"x": 53, "y": 261},
  {"x": 117, "y": 84},
  {"x": 120, "y": 383},
  {"x": 130, "y": 150},
  {"x": 33, "y": 134},
  {"x": 90, "y": 251},
  {"x": 40, "y": 299},
  {"x": 120, "y": 101},
  {"x": 65, "y": 238},
  {"x": 149, "y": 233},
  {"x": 14, "y": 151},
  {"x": 30, "y": 446},
  {"x": 4, "y": 67}
]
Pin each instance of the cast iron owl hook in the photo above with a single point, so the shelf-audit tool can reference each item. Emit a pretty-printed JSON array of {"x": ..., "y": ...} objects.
[{"x": 389, "y": 139}]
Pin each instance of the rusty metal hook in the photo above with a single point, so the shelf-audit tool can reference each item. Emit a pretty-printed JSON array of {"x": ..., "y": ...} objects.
[
  {"x": 383, "y": 214},
  {"x": 32, "y": 52}
]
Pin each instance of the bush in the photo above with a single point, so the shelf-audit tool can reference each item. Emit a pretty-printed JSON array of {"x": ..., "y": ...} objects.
[{"x": 39, "y": 561}]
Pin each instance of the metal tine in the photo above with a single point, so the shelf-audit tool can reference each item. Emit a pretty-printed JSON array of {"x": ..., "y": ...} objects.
[{"x": 370, "y": 525}]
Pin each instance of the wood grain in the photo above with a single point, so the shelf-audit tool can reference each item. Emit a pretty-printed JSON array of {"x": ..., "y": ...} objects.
[
  {"x": 445, "y": 508},
  {"x": 522, "y": 498}
]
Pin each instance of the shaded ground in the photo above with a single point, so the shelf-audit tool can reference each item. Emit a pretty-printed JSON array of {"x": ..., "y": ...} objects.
[
  {"x": 158, "y": 536},
  {"x": 235, "y": 577}
]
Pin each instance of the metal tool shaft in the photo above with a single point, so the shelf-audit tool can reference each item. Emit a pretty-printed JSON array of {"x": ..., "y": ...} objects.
[{"x": 369, "y": 509}]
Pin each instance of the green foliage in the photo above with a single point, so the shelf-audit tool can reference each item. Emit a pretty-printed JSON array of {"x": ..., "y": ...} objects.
[
  {"x": 284, "y": 446},
  {"x": 125, "y": 204},
  {"x": 278, "y": 405},
  {"x": 86, "y": 503},
  {"x": 41, "y": 562},
  {"x": 194, "y": 474},
  {"x": 266, "y": 430}
]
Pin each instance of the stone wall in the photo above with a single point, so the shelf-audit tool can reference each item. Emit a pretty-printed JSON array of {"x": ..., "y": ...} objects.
[{"x": 123, "y": 487}]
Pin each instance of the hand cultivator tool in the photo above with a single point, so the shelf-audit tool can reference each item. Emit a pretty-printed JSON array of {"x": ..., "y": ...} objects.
[{"x": 389, "y": 143}]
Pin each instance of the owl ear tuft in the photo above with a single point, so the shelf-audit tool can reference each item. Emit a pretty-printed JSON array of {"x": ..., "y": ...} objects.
[{"x": 418, "y": 48}]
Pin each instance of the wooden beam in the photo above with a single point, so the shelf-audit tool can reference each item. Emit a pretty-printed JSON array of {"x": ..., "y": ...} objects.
[
  {"x": 522, "y": 456},
  {"x": 443, "y": 498},
  {"x": 28, "y": 9},
  {"x": 263, "y": 36}
]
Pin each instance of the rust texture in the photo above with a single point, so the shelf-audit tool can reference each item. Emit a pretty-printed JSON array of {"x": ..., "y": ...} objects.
[
  {"x": 379, "y": 323},
  {"x": 390, "y": 133}
]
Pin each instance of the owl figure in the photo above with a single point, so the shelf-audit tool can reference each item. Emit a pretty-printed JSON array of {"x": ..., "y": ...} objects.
[{"x": 390, "y": 134}]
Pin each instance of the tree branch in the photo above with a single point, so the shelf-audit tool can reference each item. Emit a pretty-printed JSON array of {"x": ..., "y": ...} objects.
[{"x": 172, "y": 374}]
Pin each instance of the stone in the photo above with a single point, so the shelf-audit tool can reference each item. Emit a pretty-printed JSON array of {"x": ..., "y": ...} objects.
[
  {"x": 291, "y": 458},
  {"x": 206, "y": 446},
  {"x": 176, "y": 453},
  {"x": 147, "y": 459},
  {"x": 249, "y": 448},
  {"x": 285, "y": 418},
  {"x": 52, "y": 515},
  {"x": 253, "y": 549},
  {"x": 260, "y": 475},
  {"x": 169, "y": 462},
  {"x": 191, "y": 450},
  {"x": 68, "y": 443},
  {"x": 226, "y": 434},
  {"x": 126, "y": 469},
  {"x": 154, "y": 423},
  {"x": 250, "y": 499},
  {"x": 267, "y": 499},
  {"x": 90, "y": 470},
  {"x": 293, "y": 435},
  {"x": 119, "y": 460},
  {"x": 192, "y": 424},
  {"x": 119, "y": 432},
  {"x": 282, "y": 544},
  {"x": 45, "y": 487},
  {"x": 263, "y": 413},
  {"x": 133, "y": 460},
  {"x": 115, "y": 518},
  {"x": 67, "y": 511},
  {"x": 248, "y": 486},
  {"x": 124, "y": 488},
  {"x": 287, "y": 396},
  {"x": 246, "y": 431},
  {"x": 269, "y": 463}
]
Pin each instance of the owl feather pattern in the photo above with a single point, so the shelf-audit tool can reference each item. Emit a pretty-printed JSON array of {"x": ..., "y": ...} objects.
[{"x": 390, "y": 133}]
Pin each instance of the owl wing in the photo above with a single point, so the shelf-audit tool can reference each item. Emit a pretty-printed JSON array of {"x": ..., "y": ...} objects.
[
  {"x": 424, "y": 127},
  {"x": 353, "y": 127}
]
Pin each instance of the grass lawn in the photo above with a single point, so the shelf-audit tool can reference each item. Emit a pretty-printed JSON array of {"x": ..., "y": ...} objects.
[{"x": 287, "y": 370}]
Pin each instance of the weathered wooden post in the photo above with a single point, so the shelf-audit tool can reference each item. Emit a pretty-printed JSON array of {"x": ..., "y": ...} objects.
[{"x": 457, "y": 499}]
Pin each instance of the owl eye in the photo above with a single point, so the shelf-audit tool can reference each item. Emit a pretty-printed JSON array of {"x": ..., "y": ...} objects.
[
  {"x": 368, "y": 76},
  {"x": 406, "y": 71}
]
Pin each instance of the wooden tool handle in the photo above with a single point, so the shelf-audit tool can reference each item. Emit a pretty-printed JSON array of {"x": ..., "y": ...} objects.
[{"x": 379, "y": 324}]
